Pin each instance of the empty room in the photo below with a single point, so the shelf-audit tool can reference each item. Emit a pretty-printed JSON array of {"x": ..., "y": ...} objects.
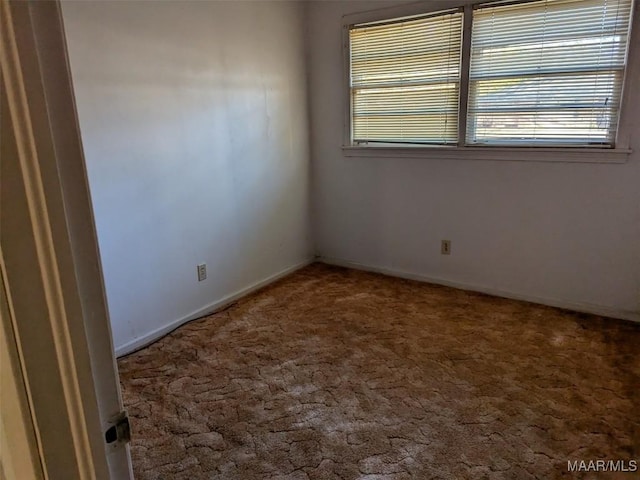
[{"x": 320, "y": 239}]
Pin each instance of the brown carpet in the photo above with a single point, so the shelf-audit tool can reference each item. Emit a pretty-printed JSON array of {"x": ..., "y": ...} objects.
[{"x": 338, "y": 374}]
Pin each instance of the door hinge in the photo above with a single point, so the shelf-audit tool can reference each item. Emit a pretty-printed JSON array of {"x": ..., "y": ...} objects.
[{"x": 120, "y": 430}]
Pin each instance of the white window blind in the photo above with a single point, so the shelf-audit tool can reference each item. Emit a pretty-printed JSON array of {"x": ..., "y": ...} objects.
[
  {"x": 405, "y": 78},
  {"x": 547, "y": 72}
]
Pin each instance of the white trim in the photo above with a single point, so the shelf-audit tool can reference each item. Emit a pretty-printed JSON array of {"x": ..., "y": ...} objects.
[
  {"x": 551, "y": 302},
  {"x": 402, "y": 10},
  {"x": 209, "y": 309},
  {"x": 513, "y": 154},
  {"x": 347, "y": 122},
  {"x": 47, "y": 259},
  {"x": 625, "y": 115},
  {"x": 465, "y": 66},
  {"x": 80, "y": 254}
]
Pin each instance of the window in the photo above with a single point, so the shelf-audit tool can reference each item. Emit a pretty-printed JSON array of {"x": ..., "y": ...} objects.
[
  {"x": 533, "y": 73},
  {"x": 405, "y": 79},
  {"x": 547, "y": 72}
]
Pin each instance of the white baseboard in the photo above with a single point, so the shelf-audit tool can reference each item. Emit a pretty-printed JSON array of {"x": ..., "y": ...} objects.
[
  {"x": 213, "y": 307},
  {"x": 552, "y": 302}
]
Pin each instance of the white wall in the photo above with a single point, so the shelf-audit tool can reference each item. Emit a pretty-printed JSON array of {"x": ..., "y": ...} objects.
[
  {"x": 559, "y": 233},
  {"x": 194, "y": 124}
]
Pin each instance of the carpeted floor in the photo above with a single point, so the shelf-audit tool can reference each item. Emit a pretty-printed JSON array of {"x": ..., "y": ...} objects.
[{"x": 338, "y": 374}]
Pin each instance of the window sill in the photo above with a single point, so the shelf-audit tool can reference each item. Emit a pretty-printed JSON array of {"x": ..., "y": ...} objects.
[{"x": 514, "y": 154}]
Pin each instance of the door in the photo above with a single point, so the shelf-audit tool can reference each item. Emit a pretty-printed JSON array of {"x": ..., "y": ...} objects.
[{"x": 50, "y": 256}]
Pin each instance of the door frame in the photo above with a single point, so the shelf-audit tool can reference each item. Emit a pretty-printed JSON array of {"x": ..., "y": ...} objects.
[{"x": 51, "y": 264}]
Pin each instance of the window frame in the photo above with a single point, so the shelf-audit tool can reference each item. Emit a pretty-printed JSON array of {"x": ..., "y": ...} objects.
[{"x": 618, "y": 153}]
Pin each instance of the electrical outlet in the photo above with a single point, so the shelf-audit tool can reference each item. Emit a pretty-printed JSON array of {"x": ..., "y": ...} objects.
[
  {"x": 445, "y": 247},
  {"x": 202, "y": 272}
]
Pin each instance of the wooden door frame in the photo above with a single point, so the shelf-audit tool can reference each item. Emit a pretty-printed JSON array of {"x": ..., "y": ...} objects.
[{"x": 51, "y": 266}]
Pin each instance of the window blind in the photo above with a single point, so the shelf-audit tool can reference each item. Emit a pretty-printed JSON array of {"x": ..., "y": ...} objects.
[
  {"x": 405, "y": 79},
  {"x": 547, "y": 72}
]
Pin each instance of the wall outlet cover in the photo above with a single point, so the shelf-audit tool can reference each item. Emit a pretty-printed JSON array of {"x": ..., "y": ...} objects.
[{"x": 202, "y": 272}]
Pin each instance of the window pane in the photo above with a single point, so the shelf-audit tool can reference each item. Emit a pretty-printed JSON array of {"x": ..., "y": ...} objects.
[
  {"x": 405, "y": 80},
  {"x": 547, "y": 72}
]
